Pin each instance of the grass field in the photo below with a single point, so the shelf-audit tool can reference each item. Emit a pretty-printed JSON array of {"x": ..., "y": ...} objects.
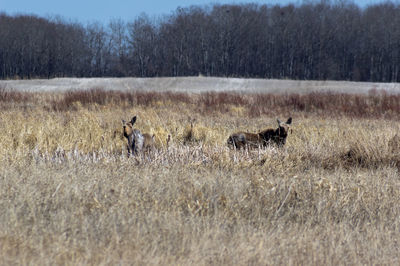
[{"x": 70, "y": 195}]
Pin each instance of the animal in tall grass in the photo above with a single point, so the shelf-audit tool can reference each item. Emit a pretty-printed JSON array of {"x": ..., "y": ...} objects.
[
  {"x": 264, "y": 138},
  {"x": 189, "y": 134},
  {"x": 137, "y": 141}
]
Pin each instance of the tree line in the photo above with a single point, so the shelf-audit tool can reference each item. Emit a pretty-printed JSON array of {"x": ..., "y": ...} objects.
[{"x": 314, "y": 40}]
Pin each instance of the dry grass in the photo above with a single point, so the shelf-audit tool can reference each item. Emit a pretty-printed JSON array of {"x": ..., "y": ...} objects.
[{"x": 69, "y": 195}]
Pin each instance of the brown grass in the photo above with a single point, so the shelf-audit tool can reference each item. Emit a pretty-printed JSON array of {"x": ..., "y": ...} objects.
[
  {"x": 69, "y": 195},
  {"x": 374, "y": 105}
]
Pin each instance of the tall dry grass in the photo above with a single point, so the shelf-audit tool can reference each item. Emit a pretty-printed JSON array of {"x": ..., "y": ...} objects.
[{"x": 69, "y": 194}]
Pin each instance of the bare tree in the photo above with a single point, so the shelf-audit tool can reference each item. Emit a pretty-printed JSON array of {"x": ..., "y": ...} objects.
[
  {"x": 142, "y": 45},
  {"x": 119, "y": 46}
]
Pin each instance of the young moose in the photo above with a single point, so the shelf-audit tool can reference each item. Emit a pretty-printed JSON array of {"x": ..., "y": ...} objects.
[
  {"x": 137, "y": 142},
  {"x": 264, "y": 138}
]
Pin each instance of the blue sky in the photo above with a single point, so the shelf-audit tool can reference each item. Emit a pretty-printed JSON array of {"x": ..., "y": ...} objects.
[{"x": 84, "y": 11}]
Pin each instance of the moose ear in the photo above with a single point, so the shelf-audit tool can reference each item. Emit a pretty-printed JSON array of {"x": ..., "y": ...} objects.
[
  {"x": 133, "y": 120},
  {"x": 279, "y": 121},
  {"x": 289, "y": 121},
  {"x": 123, "y": 121}
]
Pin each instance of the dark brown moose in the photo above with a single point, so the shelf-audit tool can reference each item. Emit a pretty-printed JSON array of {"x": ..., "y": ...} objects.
[{"x": 264, "y": 138}]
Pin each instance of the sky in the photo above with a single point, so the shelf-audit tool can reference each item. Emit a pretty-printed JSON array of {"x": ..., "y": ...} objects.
[{"x": 87, "y": 11}]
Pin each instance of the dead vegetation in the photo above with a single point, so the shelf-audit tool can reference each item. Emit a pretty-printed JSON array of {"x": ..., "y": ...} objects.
[{"x": 69, "y": 194}]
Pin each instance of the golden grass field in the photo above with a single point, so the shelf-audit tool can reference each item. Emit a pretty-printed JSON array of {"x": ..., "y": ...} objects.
[{"x": 70, "y": 195}]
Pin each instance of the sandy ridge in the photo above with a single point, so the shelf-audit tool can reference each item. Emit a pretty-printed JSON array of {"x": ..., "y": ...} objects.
[{"x": 198, "y": 85}]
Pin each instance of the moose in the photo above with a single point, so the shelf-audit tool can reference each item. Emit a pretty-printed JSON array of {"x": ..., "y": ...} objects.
[
  {"x": 264, "y": 138},
  {"x": 137, "y": 142}
]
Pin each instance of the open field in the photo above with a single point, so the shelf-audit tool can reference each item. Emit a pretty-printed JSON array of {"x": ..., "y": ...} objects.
[
  {"x": 69, "y": 194},
  {"x": 200, "y": 84}
]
